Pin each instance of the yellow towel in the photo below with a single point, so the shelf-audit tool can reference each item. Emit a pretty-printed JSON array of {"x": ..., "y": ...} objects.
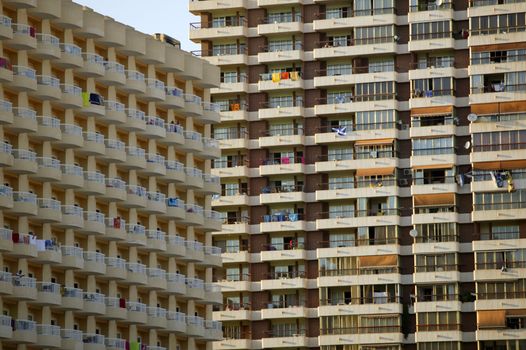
[
  {"x": 85, "y": 99},
  {"x": 294, "y": 75},
  {"x": 276, "y": 77}
]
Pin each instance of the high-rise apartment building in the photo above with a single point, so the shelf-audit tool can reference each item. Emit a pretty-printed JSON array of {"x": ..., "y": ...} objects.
[
  {"x": 106, "y": 190},
  {"x": 363, "y": 209}
]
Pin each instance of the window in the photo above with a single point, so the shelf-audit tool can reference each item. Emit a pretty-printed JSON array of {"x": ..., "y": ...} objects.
[
  {"x": 432, "y": 87},
  {"x": 373, "y": 35},
  {"x": 341, "y": 211},
  {"x": 506, "y": 23},
  {"x": 375, "y": 119},
  {"x": 336, "y": 97},
  {"x": 430, "y": 30},
  {"x": 430, "y": 146},
  {"x": 381, "y": 65},
  {"x": 335, "y": 13},
  {"x": 442, "y": 232},
  {"x": 339, "y": 69},
  {"x": 336, "y": 183},
  {"x": 436, "y": 321},
  {"x": 340, "y": 154},
  {"x": 435, "y": 262},
  {"x": 284, "y": 45},
  {"x": 384, "y": 90},
  {"x": 499, "y": 141},
  {"x": 227, "y": 49},
  {"x": 446, "y": 345}
]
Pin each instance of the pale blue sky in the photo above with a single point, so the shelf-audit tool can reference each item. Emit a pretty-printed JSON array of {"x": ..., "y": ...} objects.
[{"x": 150, "y": 16}]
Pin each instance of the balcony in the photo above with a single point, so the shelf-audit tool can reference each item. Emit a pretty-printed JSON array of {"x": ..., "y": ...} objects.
[
  {"x": 387, "y": 186},
  {"x": 155, "y": 165},
  {"x": 194, "y": 251},
  {"x": 176, "y": 322},
  {"x": 94, "y": 263},
  {"x": 72, "y": 257},
  {"x": 175, "y": 246},
  {"x": 136, "y": 274},
  {"x": 356, "y": 47},
  {"x": 72, "y": 217},
  {"x": 135, "y": 82},
  {"x": 174, "y": 135},
  {"x": 380, "y": 269},
  {"x": 6, "y": 283},
  {"x": 136, "y": 235},
  {"x": 48, "y": 47},
  {"x": 71, "y": 96},
  {"x": 502, "y": 34},
  {"x": 500, "y": 152},
  {"x": 24, "y": 121},
  {"x": 362, "y": 335},
  {"x": 283, "y": 137},
  {"x": 284, "y": 310},
  {"x": 136, "y": 312},
  {"x": 347, "y": 103},
  {"x": 49, "y": 210},
  {"x": 71, "y": 136},
  {"x": 175, "y": 209},
  {"x": 155, "y": 90},
  {"x": 115, "y": 151},
  {"x": 114, "y": 74},
  {"x": 283, "y": 165},
  {"x": 115, "y": 113},
  {"x": 225, "y": 57},
  {"x": 24, "y": 332},
  {"x": 197, "y": 6},
  {"x": 51, "y": 253},
  {"x": 72, "y": 298},
  {"x": 432, "y": 41},
  {"x": 6, "y": 155},
  {"x": 72, "y": 176},
  {"x": 211, "y": 113},
  {"x": 24, "y": 288},
  {"x": 355, "y": 18},
  {"x": 24, "y": 37},
  {"x": 176, "y": 283},
  {"x": 235, "y": 28},
  {"x": 156, "y": 317},
  {"x": 6, "y": 30},
  {"x": 115, "y": 190},
  {"x": 6, "y": 330},
  {"x": 48, "y": 88},
  {"x": 94, "y": 183},
  {"x": 278, "y": 339},
  {"x": 280, "y": 252},
  {"x": 93, "y": 65},
  {"x": 71, "y": 56},
  {"x": 195, "y": 326},
  {"x": 24, "y": 79},
  {"x": 444, "y": 273},
  {"x": 71, "y": 339},
  {"x": 6, "y": 112},
  {"x": 24, "y": 204},
  {"x": 48, "y": 170},
  {"x": 135, "y": 158},
  {"x": 48, "y": 336},
  {"x": 93, "y": 341},
  {"x": 211, "y": 184},
  {"x": 136, "y": 120},
  {"x": 382, "y": 305},
  {"x": 156, "y": 279},
  {"x": 115, "y": 268},
  {"x": 284, "y": 23},
  {"x": 381, "y": 159},
  {"x": 156, "y": 240},
  {"x": 434, "y": 185},
  {"x": 6, "y": 197},
  {"x": 93, "y": 105},
  {"x": 115, "y": 309},
  {"x": 284, "y": 280},
  {"x": 116, "y": 344},
  {"x": 281, "y": 53},
  {"x": 48, "y": 129},
  {"x": 282, "y": 194},
  {"x": 193, "y": 106},
  {"x": 282, "y": 222},
  {"x": 94, "y": 303}
]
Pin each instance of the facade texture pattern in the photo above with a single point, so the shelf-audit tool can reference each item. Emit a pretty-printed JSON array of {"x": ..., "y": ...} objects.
[
  {"x": 105, "y": 161},
  {"x": 372, "y": 172}
]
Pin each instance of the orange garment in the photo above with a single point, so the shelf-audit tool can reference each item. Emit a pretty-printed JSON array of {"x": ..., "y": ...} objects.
[{"x": 284, "y": 75}]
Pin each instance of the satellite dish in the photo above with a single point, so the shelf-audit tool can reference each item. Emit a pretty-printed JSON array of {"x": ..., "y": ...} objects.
[
  {"x": 413, "y": 233},
  {"x": 467, "y": 145},
  {"x": 472, "y": 117}
]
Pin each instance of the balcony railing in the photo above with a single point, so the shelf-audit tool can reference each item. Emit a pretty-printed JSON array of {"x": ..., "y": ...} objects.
[
  {"x": 498, "y": 30},
  {"x": 498, "y": 265},
  {"x": 498, "y": 87},
  {"x": 337, "y": 214},
  {"x": 384, "y": 299},
  {"x": 431, "y": 6},
  {"x": 433, "y": 151},
  {"x": 438, "y": 327},
  {"x": 282, "y": 189},
  {"x": 499, "y": 206},
  {"x": 436, "y": 268},
  {"x": 475, "y": 3},
  {"x": 357, "y": 242},
  {"x": 232, "y": 22},
  {"x": 374, "y": 270},
  {"x": 286, "y": 217},
  {"x": 431, "y": 93},
  {"x": 356, "y": 13},
  {"x": 360, "y": 330},
  {"x": 282, "y": 333},
  {"x": 240, "y": 50}
]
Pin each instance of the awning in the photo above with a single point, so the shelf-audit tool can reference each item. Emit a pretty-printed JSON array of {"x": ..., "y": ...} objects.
[
  {"x": 434, "y": 199},
  {"x": 491, "y": 318},
  {"x": 375, "y": 171},
  {"x": 499, "y": 47},
  {"x": 431, "y": 111},
  {"x": 373, "y": 142},
  {"x": 498, "y": 165},
  {"x": 516, "y": 312},
  {"x": 502, "y": 107},
  {"x": 378, "y": 260},
  {"x": 434, "y": 166}
]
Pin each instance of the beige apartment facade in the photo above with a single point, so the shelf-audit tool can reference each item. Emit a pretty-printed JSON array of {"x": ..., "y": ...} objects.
[
  {"x": 106, "y": 191},
  {"x": 372, "y": 172}
]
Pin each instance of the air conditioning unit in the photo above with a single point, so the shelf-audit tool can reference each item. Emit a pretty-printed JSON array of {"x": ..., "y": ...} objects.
[
  {"x": 407, "y": 172},
  {"x": 403, "y": 182}
]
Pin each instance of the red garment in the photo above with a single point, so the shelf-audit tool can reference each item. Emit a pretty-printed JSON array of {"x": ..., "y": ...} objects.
[
  {"x": 284, "y": 75},
  {"x": 32, "y": 32},
  {"x": 122, "y": 303},
  {"x": 15, "y": 237},
  {"x": 116, "y": 223}
]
